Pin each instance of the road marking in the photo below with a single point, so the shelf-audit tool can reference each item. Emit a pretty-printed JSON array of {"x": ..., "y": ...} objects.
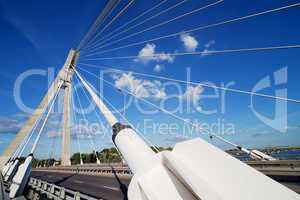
[{"x": 111, "y": 188}]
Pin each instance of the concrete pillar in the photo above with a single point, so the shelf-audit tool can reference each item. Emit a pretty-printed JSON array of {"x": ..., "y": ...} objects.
[
  {"x": 62, "y": 75},
  {"x": 66, "y": 132}
]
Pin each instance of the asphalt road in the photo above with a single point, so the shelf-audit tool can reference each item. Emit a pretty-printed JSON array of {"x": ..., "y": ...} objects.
[
  {"x": 115, "y": 187},
  {"x": 105, "y": 187}
]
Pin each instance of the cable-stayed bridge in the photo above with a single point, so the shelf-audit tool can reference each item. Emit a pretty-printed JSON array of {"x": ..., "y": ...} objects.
[{"x": 146, "y": 172}]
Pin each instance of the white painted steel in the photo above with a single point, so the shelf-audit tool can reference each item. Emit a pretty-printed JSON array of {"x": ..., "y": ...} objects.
[
  {"x": 12, "y": 170},
  {"x": 97, "y": 160},
  {"x": 20, "y": 179},
  {"x": 197, "y": 186},
  {"x": 158, "y": 183},
  {"x": 103, "y": 108},
  {"x": 196, "y": 169},
  {"x": 22, "y": 175},
  {"x": 223, "y": 174},
  {"x": 6, "y": 167},
  {"x": 137, "y": 154},
  {"x": 255, "y": 154}
]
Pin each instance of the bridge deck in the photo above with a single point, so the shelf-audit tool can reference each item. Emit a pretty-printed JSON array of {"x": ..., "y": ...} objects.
[
  {"x": 102, "y": 181},
  {"x": 106, "y": 187},
  {"x": 92, "y": 180}
]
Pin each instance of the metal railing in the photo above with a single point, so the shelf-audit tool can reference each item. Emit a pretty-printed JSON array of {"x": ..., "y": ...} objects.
[
  {"x": 38, "y": 188},
  {"x": 287, "y": 169},
  {"x": 3, "y": 194},
  {"x": 287, "y": 164},
  {"x": 278, "y": 165},
  {"x": 91, "y": 169}
]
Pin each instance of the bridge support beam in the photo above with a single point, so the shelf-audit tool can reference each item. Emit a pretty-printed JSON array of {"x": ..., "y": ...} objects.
[
  {"x": 21, "y": 135},
  {"x": 65, "y": 156},
  {"x": 66, "y": 131},
  {"x": 21, "y": 177}
]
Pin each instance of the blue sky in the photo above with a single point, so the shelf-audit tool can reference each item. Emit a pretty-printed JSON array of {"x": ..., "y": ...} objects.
[{"x": 39, "y": 34}]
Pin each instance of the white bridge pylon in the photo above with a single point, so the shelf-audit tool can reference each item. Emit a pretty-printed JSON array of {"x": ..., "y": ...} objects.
[
  {"x": 193, "y": 170},
  {"x": 10, "y": 160}
]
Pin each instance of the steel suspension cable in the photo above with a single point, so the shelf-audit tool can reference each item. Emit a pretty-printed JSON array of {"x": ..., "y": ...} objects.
[
  {"x": 111, "y": 22},
  {"x": 174, "y": 115},
  {"x": 84, "y": 117},
  {"x": 213, "y": 52},
  {"x": 45, "y": 120},
  {"x": 30, "y": 136},
  {"x": 126, "y": 120},
  {"x": 144, "y": 21},
  {"x": 19, "y": 150},
  {"x": 116, "y": 110},
  {"x": 194, "y": 83},
  {"x": 75, "y": 120},
  {"x": 229, "y": 21},
  {"x": 162, "y": 23},
  {"x": 124, "y": 105},
  {"x": 54, "y": 144},
  {"x": 86, "y": 95},
  {"x": 16, "y": 152},
  {"x": 22, "y": 147},
  {"x": 129, "y": 22},
  {"x": 102, "y": 16}
]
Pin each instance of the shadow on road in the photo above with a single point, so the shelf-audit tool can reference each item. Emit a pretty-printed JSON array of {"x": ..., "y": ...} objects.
[
  {"x": 41, "y": 175},
  {"x": 64, "y": 179},
  {"x": 122, "y": 186}
]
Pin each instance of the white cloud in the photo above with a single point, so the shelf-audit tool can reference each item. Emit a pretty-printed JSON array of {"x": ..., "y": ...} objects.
[
  {"x": 10, "y": 124},
  {"x": 205, "y": 52},
  {"x": 155, "y": 89},
  {"x": 190, "y": 43},
  {"x": 177, "y": 138},
  {"x": 139, "y": 87},
  {"x": 148, "y": 54},
  {"x": 207, "y": 46},
  {"x": 158, "y": 68},
  {"x": 193, "y": 94}
]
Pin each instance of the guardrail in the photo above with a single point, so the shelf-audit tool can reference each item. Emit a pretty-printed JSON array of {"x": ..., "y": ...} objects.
[
  {"x": 287, "y": 164},
  {"x": 39, "y": 189},
  {"x": 91, "y": 169},
  {"x": 3, "y": 194},
  {"x": 279, "y": 170}
]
